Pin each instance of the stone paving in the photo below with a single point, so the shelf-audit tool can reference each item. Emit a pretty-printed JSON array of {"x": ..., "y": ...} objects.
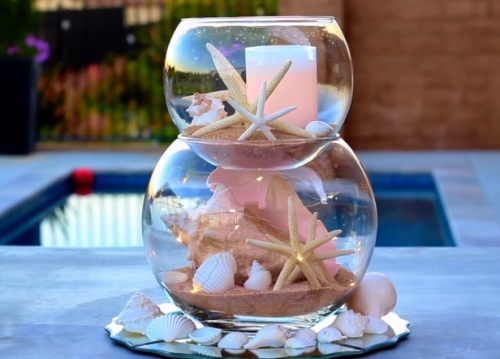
[{"x": 467, "y": 181}]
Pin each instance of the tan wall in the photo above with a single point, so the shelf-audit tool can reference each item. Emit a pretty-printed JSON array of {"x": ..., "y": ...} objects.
[{"x": 427, "y": 72}]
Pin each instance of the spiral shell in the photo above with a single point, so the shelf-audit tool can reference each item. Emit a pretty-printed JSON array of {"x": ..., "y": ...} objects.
[
  {"x": 206, "y": 335},
  {"x": 320, "y": 128},
  {"x": 271, "y": 335},
  {"x": 173, "y": 277},
  {"x": 306, "y": 335},
  {"x": 216, "y": 274},
  {"x": 376, "y": 326},
  {"x": 169, "y": 327},
  {"x": 351, "y": 324},
  {"x": 138, "y": 313},
  {"x": 233, "y": 340},
  {"x": 328, "y": 335},
  {"x": 259, "y": 278}
]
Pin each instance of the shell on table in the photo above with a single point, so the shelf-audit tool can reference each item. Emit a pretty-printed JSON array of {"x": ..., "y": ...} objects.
[
  {"x": 350, "y": 324},
  {"x": 326, "y": 348},
  {"x": 138, "y": 313},
  {"x": 258, "y": 278},
  {"x": 270, "y": 335},
  {"x": 295, "y": 343},
  {"x": 233, "y": 340},
  {"x": 329, "y": 335},
  {"x": 376, "y": 326},
  {"x": 375, "y": 296},
  {"x": 173, "y": 277},
  {"x": 170, "y": 327},
  {"x": 216, "y": 274},
  {"x": 306, "y": 335},
  {"x": 206, "y": 335},
  {"x": 207, "y": 351}
]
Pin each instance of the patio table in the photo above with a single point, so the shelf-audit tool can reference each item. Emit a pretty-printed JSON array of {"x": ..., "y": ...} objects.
[{"x": 54, "y": 303}]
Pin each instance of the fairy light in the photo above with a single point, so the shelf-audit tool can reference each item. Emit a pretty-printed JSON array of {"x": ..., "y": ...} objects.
[
  {"x": 236, "y": 227},
  {"x": 179, "y": 239},
  {"x": 300, "y": 258},
  {"x": 196, "y": 288},
  {"x": 259, "y": 178}
]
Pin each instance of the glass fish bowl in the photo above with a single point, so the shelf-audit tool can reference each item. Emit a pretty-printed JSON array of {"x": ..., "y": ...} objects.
[{"x": 259, "y": 212}]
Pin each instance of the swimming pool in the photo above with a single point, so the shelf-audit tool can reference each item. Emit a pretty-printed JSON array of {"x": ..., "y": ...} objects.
[{"x": 410, "y": 213}]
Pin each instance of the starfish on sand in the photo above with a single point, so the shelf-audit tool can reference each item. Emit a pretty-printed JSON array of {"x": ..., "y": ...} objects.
[
  {"x": 237, "y": 91},
  {"x": 259, "y": 120},
  {"x": 301, "y": 256}
]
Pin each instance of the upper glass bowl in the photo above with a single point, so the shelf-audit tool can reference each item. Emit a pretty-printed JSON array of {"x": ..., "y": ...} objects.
[{"x": 261, "y": 79}]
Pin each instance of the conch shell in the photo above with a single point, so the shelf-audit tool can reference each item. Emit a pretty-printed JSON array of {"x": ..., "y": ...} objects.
[
  {"x": 138, "y": 313},
  {"x": 271, "y": 335},
  {"x": 205, "y": 109},
  {"x": 216, "y": 274},
  {"x": 351, "y": 324},
  {"x": 169, "y": 327},
  {"x": 374, "y": 297},
  {"x": 328, "y": 335},
  {"x": 259, "y": 278}
]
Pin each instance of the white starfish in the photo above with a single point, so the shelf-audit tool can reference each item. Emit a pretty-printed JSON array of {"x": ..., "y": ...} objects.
[{"x": 259, "y": 120}]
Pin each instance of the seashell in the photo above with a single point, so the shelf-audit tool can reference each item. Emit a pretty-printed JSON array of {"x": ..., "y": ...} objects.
[
  {"x": 374, "y": 297},
  {"x": 270, "y": 335},
  {"x": 173, "y": 278},
  {"x": 169, "y": 327},
  {"x": 216, "y": 274},
  {"x": 326, "y": 349},
  {"x": 212, "y": 352},
  {"x": 294, "y": 352},
  {"x": 376, "y": 326},
  {"x": 307, "y": 336},
  {"x": 270, "y": 353},
  {"x": 138, "y": 313},
  {"x": 259, "y": 278},
  {"x": 329, "y": 334},
  {"x": 295, "y": 343},
  {"x": 206, "y": 335},
  {"x": 205, "y": 109},
  {"x": 233, "y": 340},
  {"x": 235, "y": 351},
  {"x": 320, "y": 128},
  {"x": 350, "y": 324}
]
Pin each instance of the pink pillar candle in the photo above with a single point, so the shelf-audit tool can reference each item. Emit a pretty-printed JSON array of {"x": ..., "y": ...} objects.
[{"x": 298, "y": 88}]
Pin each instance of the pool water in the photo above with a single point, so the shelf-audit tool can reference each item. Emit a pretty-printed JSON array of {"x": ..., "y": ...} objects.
[{"x": 409, "y": 211}]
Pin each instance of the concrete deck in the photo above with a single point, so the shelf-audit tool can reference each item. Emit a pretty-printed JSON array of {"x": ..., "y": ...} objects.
[{"x": 467, "y": 181}]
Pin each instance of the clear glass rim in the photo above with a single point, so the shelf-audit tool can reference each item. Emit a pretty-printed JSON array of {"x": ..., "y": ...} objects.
[
  {"x": 277, "y": 143},
  {"x": 265, "y": 20}
]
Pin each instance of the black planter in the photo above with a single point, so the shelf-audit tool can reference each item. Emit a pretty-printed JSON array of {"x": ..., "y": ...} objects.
[{"x": 18, "y": 105}]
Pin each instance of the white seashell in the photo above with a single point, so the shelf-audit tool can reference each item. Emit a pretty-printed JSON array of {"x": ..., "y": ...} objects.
[
  {"x": 212, "y": 352},
  {"x": 169, "y": 327},
  {"x": 320, "y": 128},
  {"x": 374, "y": 297},
  {"x": 235, "y": 351},
  {"x": 233, "y": 340},
  {"x": 270, "y": 353},
  {"x": 259, "y": 278},
  {"x": 376, "y": 326},
  {"x": 216, "y": 274},
  {"x": 173, "y": 277},
  {"x": 206, "y": 335},
  {"x": 307, "y": 336},
  {"x": 294, "y": 352},
  {"x": 270, "y": 335},
  {"x": 295, "y": 343},
  {"x": 205, "y": 109},
  {"x": 351, "y": 324},
  {"x": 329, "y": 334},
  {"x": 138, "y": 313},
  {"x": 326, "y": 349}
]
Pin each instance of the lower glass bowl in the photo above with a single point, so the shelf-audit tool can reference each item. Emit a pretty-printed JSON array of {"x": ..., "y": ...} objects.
[{"x": 246, "y": 247}]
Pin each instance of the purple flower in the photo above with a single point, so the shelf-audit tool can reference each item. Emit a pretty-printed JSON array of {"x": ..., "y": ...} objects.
[
  {"x": 12, "y": 50},
  {"x": 231, "y": 49},
  {"x": 42, "y": 47}
]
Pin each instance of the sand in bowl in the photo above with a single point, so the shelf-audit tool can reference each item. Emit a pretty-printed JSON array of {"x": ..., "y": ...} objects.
[{"x": 295, "y": 299}]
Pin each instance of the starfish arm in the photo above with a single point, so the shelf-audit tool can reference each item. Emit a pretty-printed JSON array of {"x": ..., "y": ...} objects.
[
  {"x": 229, "y": 75},
  {"x": 329, "y": 255},
  {"x": 312, "y": 227},
  {"x": 248, "y": 132},
  {"x": 320, "y": 241},
  {"x": 309, "y": 273},
  {"x": 285, "y": 272},
  {"x": 261, "y": 101},
  {"x": 321, "y": 273},
  {"x": 220, "y": 95},
  {"x": 280, "y": 113},
  {"x": 292, "y": 226},
  {"x": 276, "y": 78},
  {"x": 269, "y": 135},
  {"x": 219, "y": 125},
  {"x": 294, "y": 275},
  {"x": 291, "y": 129},
  {"x": 270, "y": 247},
  {"x": 273, "y": 239}
]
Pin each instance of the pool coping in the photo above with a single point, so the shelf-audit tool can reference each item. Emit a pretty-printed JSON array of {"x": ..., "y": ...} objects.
[{"x": 466, "y": 181}]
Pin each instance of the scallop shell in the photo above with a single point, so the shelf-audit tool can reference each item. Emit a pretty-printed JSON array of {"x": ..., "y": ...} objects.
[
  {"x": 307, "y": 336},
  {"x": 295, "y": 343},
  {"x": 271, "y": 335},
  {"x": 376, "y": 326},
  {"x": 138, "y": 313},
  {"x": 216, "y": 274},
  {"x": 259, "y": 278},
  {"x": 169, "y": 327},
  {"x": 206, "y": 335},
  {"x": 351, "y": 324},
  {"x": 233, "y": 340},
  {"x": 212, "y": 352},
  {"x": 320, "y": 128},
  {"x": 375, "y": 296},
  {"x": 173, "y": 278},
  {"x": 329, "y": 334}
]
